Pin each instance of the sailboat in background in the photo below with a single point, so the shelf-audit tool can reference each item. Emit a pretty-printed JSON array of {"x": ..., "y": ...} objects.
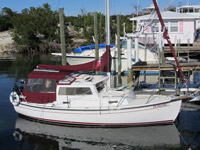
[
  {"x": 66, "y": 95},
  {"x": 86, "y": 54}
]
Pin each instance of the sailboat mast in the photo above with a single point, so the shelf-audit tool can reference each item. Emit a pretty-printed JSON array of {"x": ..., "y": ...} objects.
[
  {"x": 108, "y": 32},
  {"x": 165, "y": 35},
  {"x": 108, "y": 22}
]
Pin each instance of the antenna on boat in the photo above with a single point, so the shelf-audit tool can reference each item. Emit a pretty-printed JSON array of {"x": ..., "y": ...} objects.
[{"x": 165, "y": 35}]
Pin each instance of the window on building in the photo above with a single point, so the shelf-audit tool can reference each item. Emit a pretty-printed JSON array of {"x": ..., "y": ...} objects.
[
  {"x": 174, "y": 26},
  {"x": 191, "y": 10},
  {"x": 197, "y": 10},
  {"x": 166, "y": 25},
  {"x": 74, "y": 91},
  {"x": 155, "y": 27}
]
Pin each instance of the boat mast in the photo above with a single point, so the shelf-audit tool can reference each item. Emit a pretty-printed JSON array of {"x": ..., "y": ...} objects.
[
  {"x": 165, "y": 35},
  {"x": 108, "y": 22},
  {"x": 108, "y": 32}
]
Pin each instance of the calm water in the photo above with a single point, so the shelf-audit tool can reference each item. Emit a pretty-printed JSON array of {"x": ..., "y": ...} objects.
[{"x": 18, "y": 133}]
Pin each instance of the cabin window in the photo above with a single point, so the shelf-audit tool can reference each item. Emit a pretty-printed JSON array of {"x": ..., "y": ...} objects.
[
  {"x": 74, "y": 91},
  {"x": 100, "y": 86},
  {"x": 41, "y": 85},
  {"x": 174, "y": 26}
]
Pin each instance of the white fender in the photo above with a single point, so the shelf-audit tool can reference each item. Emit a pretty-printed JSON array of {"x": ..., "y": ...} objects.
[
  {"x": 14, "y": 98},
  {"x": 18, "y": 136}
]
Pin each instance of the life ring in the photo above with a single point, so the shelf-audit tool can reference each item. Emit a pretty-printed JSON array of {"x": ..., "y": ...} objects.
[{"x": 14, "y": 98}]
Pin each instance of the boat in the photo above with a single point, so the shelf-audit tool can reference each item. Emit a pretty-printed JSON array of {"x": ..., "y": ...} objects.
[
  {"x": 86, "y": 54},
  {"x": 68, "y": 95},
  {"x": 82, "y": 99},
  {"x": 58, "y": 95},
  {"x": 90, "y": 47}
]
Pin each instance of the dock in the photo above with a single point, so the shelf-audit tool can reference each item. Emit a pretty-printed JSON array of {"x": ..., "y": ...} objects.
[
  {"x": 166, "y": 66},
  {"x": 167, "y": 75},
  {"x": 188, "y": 50}
]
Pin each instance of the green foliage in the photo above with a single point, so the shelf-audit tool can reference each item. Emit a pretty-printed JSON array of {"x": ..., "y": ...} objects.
[
  {"x": 34, "y": 28},
  {"x": 85, "y": 21},
  {"x": 5, "y": 18}
]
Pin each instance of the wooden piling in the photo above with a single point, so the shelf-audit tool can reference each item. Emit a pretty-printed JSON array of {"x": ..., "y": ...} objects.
[
  {"x": 96, "y": 37},
  {"x": 129, "y": 63},
  {"x": 119, "y": 51},
  {"x": 62, "y": 36}
]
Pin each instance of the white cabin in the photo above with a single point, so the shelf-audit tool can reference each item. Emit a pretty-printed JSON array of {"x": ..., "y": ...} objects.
[{"x": 191, "y": 10}]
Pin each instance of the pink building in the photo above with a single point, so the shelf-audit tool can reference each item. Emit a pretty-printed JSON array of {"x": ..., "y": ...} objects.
[{"x": 181, "y": 27}]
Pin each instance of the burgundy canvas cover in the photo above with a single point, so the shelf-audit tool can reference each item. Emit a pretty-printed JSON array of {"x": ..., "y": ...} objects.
[
  {"x": 47, "y": 75},
  {"x": 38, "y": 97},
  {"x": 101, "y": 65}
]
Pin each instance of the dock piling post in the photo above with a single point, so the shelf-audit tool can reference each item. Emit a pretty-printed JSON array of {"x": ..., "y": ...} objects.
[
  {"x": 129, "y": 63},
  {"x": 96, "y": 37},
  {"x": 119, "y": 51},
  {"x": 136, "y": 49},
  {"x": 62, "y": 36}
]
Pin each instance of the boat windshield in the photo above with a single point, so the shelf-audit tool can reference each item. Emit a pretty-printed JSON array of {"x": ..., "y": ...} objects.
[
  {"x": 41, "y": 85},
  {"x": 100, "y": 86}
]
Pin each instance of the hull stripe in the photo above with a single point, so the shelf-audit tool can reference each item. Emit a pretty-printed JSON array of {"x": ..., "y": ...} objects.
[{"x": 101, "y": 124}]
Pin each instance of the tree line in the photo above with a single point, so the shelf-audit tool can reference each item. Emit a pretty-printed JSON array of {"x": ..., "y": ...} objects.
[{"x": 36, "y": 29}]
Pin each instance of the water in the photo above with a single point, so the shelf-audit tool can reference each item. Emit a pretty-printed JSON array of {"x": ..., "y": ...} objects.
[{"x": 19, "y": 133}]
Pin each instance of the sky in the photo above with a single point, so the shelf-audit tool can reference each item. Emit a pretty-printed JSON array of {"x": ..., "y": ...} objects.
[{"x": 73, "y": 7}]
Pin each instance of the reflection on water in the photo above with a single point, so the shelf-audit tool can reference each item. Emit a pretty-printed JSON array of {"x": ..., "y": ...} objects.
[
  {"x": 21, "y": 66},
  {"x": 188, "y": 124},
  {"x": 38, "y": 136},
  {"x": 185, "y": 135},
  {"x": 59, "y": 137}
]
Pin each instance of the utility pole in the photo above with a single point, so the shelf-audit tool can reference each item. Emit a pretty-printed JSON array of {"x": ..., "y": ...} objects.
[{"x": 62, "y": 36}]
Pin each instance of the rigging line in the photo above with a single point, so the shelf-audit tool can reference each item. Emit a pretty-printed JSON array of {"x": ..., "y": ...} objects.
[
  {"x": 168, "y": 5},
  {"x": 138, "y": 7},
  {"x": 58, "y": 4}
]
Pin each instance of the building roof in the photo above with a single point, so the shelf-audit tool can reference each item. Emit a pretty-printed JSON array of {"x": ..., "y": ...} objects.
[
  {"x": 167, "y": 15},
  {"x": 151, "y": 7},
  {"x": 190, "y": 6}
]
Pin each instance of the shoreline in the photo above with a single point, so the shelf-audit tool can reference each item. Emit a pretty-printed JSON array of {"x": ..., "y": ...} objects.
[{"x": 6, "y": 43}]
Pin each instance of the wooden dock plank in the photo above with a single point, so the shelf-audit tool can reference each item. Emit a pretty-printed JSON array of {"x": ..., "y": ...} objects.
[{"x": 155, "y": 67}]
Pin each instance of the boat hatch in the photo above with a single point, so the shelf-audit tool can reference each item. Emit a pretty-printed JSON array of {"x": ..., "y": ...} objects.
[{"x": 69, "y": 79}]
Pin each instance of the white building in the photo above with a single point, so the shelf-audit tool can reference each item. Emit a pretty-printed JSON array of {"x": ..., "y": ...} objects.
[
  {"x": 181, "y": 27},
  {"x": 191, "y": 10}
]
